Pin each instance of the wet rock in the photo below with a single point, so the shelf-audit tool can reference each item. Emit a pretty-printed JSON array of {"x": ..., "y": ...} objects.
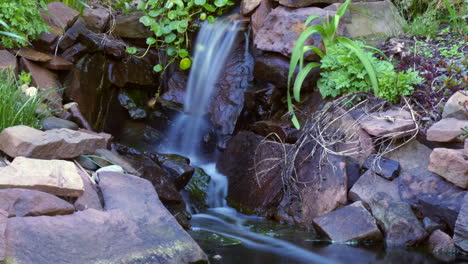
[
  {"x": 114, "y": 47},
  {"x": 44, "y": 80},
  {"x": 107, "y": 137},
  {"x": 451, "y": 164},
  {"x": 178, "y": 167},
  {"x": 90, "y": 197},
  {"x": 248, "y": 6},
  {"x": 446, "y": 130},
  {"x": 249, "y": 192},
  {"x": 71, "y": 36},
  {"x": 3, "y": 224},
  {"x": 131, "y": 70},
  {"x": 460, "y": 236},
  {"x": 458, "y": 102},
  {"x": 129, "y": 26},
  {"x": 228, "y": 100},
  {"x": 47, "y": 41},
  {"x": 96, "y": 19},
  {"x": 52, "y": 144},
  {"x": 412, "y": 155},
  {"x": 57, "y": 177},
  {"x": 140, "y": 136},
  {"x": 8, "y": 60},
  {"x": 323, "y": 188},
  {"x": 163, "y": 115},
  {"x": 284, "y": 25},
  {"x": 303, "y": 3},
  {"x": 60, "y": 15},
  {"x": 431, "y": 195},
  {"x": 259, "y": 16},
  {"x": 370, "y": 184},
  {"x": 34, "y": 55},
  {"x": 115, "y": 159},
  {"x": 261, "y": 103},
  {"x": 431, "y": 226},
  {"x": 75, "y": 52},
  {"x": 88, "y": 85},
  {"x": 396, "y": 123},
  {"x": 132, "y": 101},
  {"x": 197, "y": 188},
  {"x": 398, "y": 221},
  {"x": 384, "y": 23},
  {"x": 386, "y": 168},
  {"x": 274, "y": 129},
  {"x": 440, "y": 242},
  {"x": 177, "y": 86},
  {"x": 58, "y": 64},
  {"x": 134, "y": 228},
  {"x": 55, "y": 123},
  {"x": 336, "y": 225},
  {"x": 23, "y": 202}
]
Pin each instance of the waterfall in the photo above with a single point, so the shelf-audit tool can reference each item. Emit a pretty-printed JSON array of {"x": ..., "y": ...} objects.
[{"x": 214, "y": 42}]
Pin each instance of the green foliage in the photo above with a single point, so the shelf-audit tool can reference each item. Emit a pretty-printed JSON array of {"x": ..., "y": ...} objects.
[
  {"x": 172, "y": 20},
  {"x": 464, "y": 133},
  {"x": 21, "y": 21},
  {"x": 327, "y": 31},
  {"x": 17, "y": 108},
  {"x": 343, "y": 73},
  {"x": 426, "y": 24},
  {"x": 24, "y": 78},
  {"x": 453, "y": 52}
]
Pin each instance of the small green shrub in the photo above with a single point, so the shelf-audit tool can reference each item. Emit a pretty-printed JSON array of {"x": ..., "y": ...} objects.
[
  {"x": 24, "y": 78},
  {"x": 22, "y": 21},
  {"x": 343, "y": 73},
  {"x": 172, "y": 21},
  {"x": 17, "y": 108}
]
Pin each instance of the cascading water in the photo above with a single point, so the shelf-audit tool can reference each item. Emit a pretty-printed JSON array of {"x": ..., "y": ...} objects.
[{"x": 211, "y": 51}]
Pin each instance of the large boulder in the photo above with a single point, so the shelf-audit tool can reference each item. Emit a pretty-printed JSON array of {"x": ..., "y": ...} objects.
[
  {"x": 135, "y": 228},
  {"x": 336, "y": 225},
  {"x": 412, "y": 155},
  {"x": 254, "y": 180},
  {"x": 283, "y": 26},
  {"x": 52, "y": 144},
  {"x": 460, "y": 236},
  {"x": 400, "y": 225},
  {"x": 57, "y": 177},
  {"x": 446, "y": 130},
  {"x": 23, "y": 202},
  {"x": 431, "y": 195},
  {"x": 451, "y": 164}
]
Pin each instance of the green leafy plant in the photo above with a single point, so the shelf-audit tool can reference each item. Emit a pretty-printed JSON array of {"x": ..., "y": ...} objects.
[
  {"x": 24, "y": 78},
  {"x": 18, "y": 108},
  {"x": 327, "y": 30},
  {"x": 21, "y": 21},
  {"x": 343, "y": 73},
  {"x": 457, "y": 19},
  {"x": 171, "y": 21}
]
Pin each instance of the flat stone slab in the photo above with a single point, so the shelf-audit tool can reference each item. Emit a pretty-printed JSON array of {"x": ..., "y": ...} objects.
[
  {"x": 369, "y": 184},
  {"x": 350, "y": 223},
  {"x": 135, "y": 228},
  {"x": 446, "y": 130},
  {"x": 395, "y": 123},
  {"x": 23, "y": 202},
  {"x": 52, "y": 144},
  {"x": 451, "y": 164},
  {"x": 34, "y": 55},
  {"x": 58, "y": 177}
]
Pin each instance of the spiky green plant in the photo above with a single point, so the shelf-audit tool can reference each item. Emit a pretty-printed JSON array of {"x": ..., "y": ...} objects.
[{"x": 327, "y": 31}]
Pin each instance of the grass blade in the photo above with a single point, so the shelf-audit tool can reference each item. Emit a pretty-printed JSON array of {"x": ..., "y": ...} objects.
[{"x": 301, "y": 77}]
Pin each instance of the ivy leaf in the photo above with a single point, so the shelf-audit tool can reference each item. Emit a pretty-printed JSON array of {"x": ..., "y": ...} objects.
[
  {"x": 131, "y": 50},
  {"x": 211, "y": 19},
  {"x": 183, "y": 53},
  {"x": 150, "y": 41},
  {"x": 202, "y": 16},
  {"x": 185, "y": 63},
  {"x": 146, "y": 20},
  {"x": 170, "y": 38},
  {"x": 158, "y": 68},
  {"x": 220, "y": 3},
  {"x": 209, "y": 8},
  {"x": 179, "y": 3},
  {"x": 171, "y": 51},
  {"x": 172, "y": 14},
  {"x": 200, "y": 2}
]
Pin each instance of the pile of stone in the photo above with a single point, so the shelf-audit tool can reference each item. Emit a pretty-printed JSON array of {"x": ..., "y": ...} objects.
[{"x": 52, "y": 209}]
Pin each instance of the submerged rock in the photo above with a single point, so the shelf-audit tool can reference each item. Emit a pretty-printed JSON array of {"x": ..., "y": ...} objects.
[
  {"x": 349, "y": 224},
  {"x": 398, "y": 221},
  {"x": 57, "y": 177},
  {"x": 52, "y": 144},
  {"x": 23, "y": 202},
  {"x": 134, "y": 228}
]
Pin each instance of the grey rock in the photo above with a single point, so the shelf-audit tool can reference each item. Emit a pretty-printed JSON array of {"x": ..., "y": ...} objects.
[
  {"x": 451, "y": 164},
  {"x": 370, "y": 184},
  {"x": 446, "y": 130},
  {"x": 115, "y": 159},
  {"x": 460, "y": 236},
  {"x": 55, "y": 123},
  {"x": 387, "y": 168},
  {"x": 440, "y": 242}
]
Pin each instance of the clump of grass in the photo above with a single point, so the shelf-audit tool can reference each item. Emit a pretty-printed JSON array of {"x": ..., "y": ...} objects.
[{"x": 18, "y": 108}]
